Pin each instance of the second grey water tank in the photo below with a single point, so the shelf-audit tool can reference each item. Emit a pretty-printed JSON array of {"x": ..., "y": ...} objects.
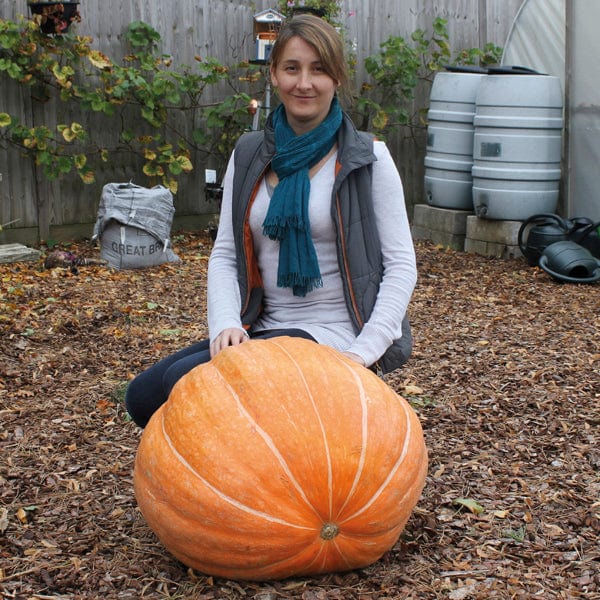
[{"x": 517, "y": 146}]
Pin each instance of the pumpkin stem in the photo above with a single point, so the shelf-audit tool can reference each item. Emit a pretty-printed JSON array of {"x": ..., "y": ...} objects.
[{"x": 329, "y": 531}]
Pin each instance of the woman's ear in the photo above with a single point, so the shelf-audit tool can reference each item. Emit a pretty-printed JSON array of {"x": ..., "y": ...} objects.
[{"x": 272, "y": 75}]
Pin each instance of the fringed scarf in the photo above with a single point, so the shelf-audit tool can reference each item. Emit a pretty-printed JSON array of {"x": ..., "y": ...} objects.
[{"x": 287, "y": 217}]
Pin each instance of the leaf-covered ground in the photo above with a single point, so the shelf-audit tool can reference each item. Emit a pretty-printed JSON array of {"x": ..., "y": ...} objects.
[{"x": 505, "y": 378}]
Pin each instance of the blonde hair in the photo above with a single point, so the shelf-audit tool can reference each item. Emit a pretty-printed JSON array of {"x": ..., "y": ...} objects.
[{"x": 323, "y": 38}]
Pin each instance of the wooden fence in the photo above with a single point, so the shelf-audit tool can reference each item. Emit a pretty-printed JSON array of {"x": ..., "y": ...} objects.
[{"x": 223, "y": 29}]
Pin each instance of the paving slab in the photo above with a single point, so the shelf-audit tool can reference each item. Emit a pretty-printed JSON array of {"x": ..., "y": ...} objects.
[{"x": 10, "y": 253}]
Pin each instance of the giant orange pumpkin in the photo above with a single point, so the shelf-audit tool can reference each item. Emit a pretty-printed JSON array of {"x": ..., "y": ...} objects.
[{"x": 280, "y": 457}]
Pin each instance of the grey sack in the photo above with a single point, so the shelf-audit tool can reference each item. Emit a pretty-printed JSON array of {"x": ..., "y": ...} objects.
[{"x": 134, "y": 226}]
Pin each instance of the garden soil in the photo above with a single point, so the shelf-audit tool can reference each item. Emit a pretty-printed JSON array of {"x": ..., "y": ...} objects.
[{"x": 505, "y": 378}]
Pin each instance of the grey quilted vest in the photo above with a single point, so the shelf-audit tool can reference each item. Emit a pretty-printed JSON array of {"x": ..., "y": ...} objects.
[{"x": 358, "y": 247}]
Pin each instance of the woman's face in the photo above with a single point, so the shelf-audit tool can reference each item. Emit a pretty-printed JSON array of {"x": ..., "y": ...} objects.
[{"x": 303, "y": 86}]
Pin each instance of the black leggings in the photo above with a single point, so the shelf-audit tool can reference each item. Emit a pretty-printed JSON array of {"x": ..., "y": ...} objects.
[{"x": 151, "y": 388}]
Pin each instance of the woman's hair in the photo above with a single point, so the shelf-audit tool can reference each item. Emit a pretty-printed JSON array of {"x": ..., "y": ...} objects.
[{"x": 323, "y": 38}]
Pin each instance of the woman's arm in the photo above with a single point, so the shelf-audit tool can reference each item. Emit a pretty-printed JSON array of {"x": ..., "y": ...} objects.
[
  {"x": 399, "y": 262},
  {"x": 223, "y": 292}
]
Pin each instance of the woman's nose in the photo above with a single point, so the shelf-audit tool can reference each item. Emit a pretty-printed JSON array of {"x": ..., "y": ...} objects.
[{"x": 304, "y": 80}]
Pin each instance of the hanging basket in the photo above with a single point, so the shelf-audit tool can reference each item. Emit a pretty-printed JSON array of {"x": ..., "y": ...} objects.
[{"x": 55, "y": 17}]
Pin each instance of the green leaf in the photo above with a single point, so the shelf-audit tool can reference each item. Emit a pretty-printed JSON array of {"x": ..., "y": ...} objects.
[
  {"x": 152, "y": 170},
  {"x": 127, "y": 136},
  {"x": 99, "y": 60},
  {"x": 141, "y": 35},
  {"x": 87, "y": 175},
  {"x": 64, "y": 164},
  {"x": 185, "y": 162},
  {"x": 44, "y": 158},
  {"x": 175, "y": 168},
  {"x": 14, "y": 71},
  {"x": 80, "y": 161},
  {"x": 470, "y": 505},
  {"x": 380, "y": 120},
  {"x": 200, "y": 137},
  {"x": 170, "y": 332},
  {"x": 68, "y": 134}
]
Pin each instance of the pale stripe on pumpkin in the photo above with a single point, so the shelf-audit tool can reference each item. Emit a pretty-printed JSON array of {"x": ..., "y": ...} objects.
[
  {"x": 394, "y": 469},
  {"x": 270, "y": 444},
  {"x": 321, "y": 427}
]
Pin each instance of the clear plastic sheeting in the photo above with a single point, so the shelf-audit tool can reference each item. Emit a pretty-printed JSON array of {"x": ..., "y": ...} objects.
[
  {"x": 584, "y": 110},
  {"x": 537, "y": 38}
]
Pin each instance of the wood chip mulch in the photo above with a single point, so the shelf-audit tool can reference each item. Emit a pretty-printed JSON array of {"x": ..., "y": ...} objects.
[{"x": 505, "y": 378}]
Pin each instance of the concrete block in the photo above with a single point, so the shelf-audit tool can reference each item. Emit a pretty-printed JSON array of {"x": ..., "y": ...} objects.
[
  {"x": 441, "y": 219},
  {"x": 10, "y": 253},
  {"x": 492, "y": 238},
  {"x": 493, "y": 249},
  {"x": 501, "y": 232}
]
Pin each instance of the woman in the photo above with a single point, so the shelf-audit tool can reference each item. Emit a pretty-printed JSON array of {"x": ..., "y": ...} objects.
[{"x": 313, "y": 238}]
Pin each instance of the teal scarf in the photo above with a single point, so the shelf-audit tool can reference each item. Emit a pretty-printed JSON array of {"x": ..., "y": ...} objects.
[{"x": 287, "y": 218}]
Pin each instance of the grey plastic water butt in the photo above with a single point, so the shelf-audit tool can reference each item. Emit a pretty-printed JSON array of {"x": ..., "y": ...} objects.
[
  {"x": 517, "y": 146},
  {"x": 449, "y": 158}
]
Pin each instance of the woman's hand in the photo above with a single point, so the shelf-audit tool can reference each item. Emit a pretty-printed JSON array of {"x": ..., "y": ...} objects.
[
  {"x": 227, "y": 337},
  {"x": 355, "y": 357}
]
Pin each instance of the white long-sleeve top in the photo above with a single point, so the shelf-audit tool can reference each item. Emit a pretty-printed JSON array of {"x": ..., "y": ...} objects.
[{"x": 322, "y": 312}]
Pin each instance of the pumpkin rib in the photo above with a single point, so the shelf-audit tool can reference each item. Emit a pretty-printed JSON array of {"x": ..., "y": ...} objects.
[
  {"x": 208, "y": 378},
  {"x": 205, "y": 566},
  {"x": 298, "y": 560},
  {"x": 220, "y": 494},
  {"x": 364, "y": 426},
  {"x": 219, "y": 562},
  {"x": 341, "y": 554},
  {"x": 393, "y": 470},
  {"x": 320, "y": 421},
  {"x": 364, "y": 446},
  {"x": 380, "y": 532},
  {"x": 364, "y": 435},
  {"x": 293, "y": 564},
  {"x": 269, "y": 441},
  {"x": 323, "y": 557}
]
